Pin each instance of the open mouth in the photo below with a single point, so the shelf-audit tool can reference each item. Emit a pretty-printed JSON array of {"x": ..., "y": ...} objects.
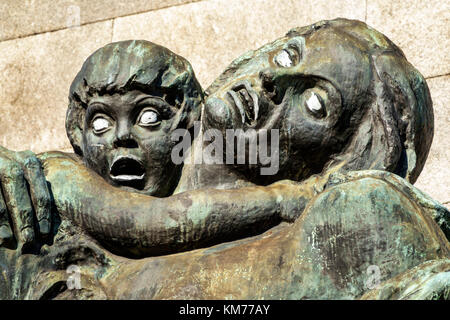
[
  {"x": 246, "y": 101},
  {"x": 128, "y": 171}
]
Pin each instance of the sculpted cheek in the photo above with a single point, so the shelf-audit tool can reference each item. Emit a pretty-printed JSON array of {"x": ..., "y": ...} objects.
[{"x": 158, "y": 148}]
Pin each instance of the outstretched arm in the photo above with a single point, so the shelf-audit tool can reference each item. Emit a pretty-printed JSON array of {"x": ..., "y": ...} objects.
[{"x": 138, "y": 225}]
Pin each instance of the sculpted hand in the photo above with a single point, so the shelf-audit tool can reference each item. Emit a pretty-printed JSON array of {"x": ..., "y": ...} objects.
[
  {"x": 294, "y": 196},
  {"x": 25, "y": 201}
]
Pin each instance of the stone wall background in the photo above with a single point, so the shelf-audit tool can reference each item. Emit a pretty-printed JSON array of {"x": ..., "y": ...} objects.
[{"x": 43, "y": 44}]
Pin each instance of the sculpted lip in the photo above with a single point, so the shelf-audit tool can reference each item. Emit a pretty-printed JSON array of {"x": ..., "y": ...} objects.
[{"x": 127, "y": 169}]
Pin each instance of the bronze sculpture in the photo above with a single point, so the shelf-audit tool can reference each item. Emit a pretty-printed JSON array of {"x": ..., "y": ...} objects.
[{"x": 343, "y": 98}]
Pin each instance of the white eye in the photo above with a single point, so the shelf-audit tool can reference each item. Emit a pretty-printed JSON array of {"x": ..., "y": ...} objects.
[
  {"x": 100, "y": 124},
  {"x": 284, "y": 59},
  {"x": 313, "y": 103},
  {"x": 148, "y": 118}
]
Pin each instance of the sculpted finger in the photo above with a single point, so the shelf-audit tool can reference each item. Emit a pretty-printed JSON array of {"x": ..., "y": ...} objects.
[
  {"x": 18, "y": 201},
  {"x": 6, "y": 234},
  {"x": 40, "y": 194}
]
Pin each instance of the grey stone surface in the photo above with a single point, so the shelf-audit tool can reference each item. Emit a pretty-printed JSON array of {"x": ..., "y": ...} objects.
[
  {"x": 26, "y": 17},
  {"x": 420, "y": 28},
  {"x": 435, "y": 176},
  {"x": 210, "y": 34},
  {"x": 35, "y": 75}
]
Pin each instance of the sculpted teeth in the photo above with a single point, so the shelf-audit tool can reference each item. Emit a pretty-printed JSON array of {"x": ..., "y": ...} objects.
[
  {"x": 255, "y": 103},
  {"x": 127, "y": 168},
  {"x": 238, "y": 103},
  {"x": 252, "y": 102},
  {"x": 126, "y": 177},
  {"x": 246, "y": 101}
]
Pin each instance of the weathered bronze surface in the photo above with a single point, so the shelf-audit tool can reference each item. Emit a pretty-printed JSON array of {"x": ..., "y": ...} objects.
[{"x": 355, "y": 124}]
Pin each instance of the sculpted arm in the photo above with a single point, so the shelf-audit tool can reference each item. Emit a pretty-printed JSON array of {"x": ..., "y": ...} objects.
[{"x": 140, "y": 225}]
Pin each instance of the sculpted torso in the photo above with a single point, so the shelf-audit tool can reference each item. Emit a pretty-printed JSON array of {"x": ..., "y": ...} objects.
[{"x": 328, "y": 205}]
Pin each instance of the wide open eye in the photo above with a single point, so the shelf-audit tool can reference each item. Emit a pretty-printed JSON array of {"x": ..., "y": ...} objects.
[
  {"x": 289, "y": 56},
  {"x": 314, "y": 103},
  {"x": 284, "y": 59},
  {"x": 100, "y": 124},
  {"x": 148, "y": 117}
]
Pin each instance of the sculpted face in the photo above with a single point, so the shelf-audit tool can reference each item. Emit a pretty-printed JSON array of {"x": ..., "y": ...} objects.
[
  {"x": 127, "y": 136},
  {"x": 311, "y": 87},
  {"x": 124, "y": 105}
]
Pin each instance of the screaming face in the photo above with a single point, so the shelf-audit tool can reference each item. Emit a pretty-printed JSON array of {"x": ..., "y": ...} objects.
[
  {"x": 125, "y": 103},
  {"x": 128, "y": 136},
  {"x": 312, "y": 87}
]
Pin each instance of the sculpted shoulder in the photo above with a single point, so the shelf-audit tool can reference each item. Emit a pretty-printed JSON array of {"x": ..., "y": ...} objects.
[
  {"x": 372, "y": 216},
  {"x": 383, "y": 182}
]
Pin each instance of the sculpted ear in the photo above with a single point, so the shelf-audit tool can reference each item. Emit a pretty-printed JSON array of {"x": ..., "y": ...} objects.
[
  {"x": 405, "y": 97},
  {"x": 376, "y": 144},
  {"x": 395, "y": 134},
  {"x": 74, "y": 126},
  {"x": 180, "y": 81}
]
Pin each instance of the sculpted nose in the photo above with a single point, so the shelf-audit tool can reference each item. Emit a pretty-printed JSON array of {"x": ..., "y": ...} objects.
[
  {"x": 217, "y": 114},
  {"x": 266, "y": 73},
  {"x": 124, "y": 138},
  {"x": 267, "y": 77}
]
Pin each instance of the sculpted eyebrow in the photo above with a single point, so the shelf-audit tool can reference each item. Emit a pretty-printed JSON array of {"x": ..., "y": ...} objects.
[
  {"x": 96, "y": 107},
  {"x": 160, "y": 104},
  {"x": 152, "y": 99}
]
